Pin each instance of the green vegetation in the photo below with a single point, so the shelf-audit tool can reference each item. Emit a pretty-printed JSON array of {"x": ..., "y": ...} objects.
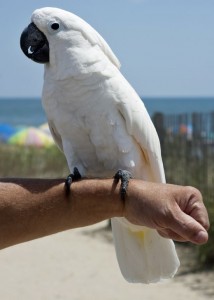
[{"x": 18, "y": 161}]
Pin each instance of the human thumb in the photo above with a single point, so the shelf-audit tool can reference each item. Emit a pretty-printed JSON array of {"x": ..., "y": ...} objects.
[{"x": 189, "y": 229}]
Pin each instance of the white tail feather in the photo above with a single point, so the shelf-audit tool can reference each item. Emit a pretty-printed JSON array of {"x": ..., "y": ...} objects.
[{"x": 143, "y": 256}]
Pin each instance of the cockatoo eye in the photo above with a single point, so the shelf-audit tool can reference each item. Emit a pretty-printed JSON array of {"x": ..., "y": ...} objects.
[{"x": 54, "y": 26}]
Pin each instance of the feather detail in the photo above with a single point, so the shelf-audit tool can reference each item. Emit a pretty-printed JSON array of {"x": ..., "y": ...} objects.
[
  {"x": 158, "y": 255},
  {"x": 75, "y": 23}
]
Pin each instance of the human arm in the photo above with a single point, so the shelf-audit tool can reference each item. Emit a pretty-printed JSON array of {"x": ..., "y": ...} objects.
[{"x": 32, "y": 208}]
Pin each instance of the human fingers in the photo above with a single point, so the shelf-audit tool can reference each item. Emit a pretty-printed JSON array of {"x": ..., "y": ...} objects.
[
  {"x": 188, "y": 228},
  {"x": 195, "y": 207},
  {"x": 170, "y": 234}
]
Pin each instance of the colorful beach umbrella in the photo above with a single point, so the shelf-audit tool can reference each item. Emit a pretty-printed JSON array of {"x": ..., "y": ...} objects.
[{"x": 31, "y": 136}]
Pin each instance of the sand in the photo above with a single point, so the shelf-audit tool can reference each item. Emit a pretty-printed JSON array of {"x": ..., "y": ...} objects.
[{"x": 80, "y": 264}]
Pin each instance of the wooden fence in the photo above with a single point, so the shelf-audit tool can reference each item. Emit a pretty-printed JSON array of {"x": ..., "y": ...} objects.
[{"x": 187, "y": 142}]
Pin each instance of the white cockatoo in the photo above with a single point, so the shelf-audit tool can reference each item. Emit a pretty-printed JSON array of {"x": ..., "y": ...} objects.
[{"x": 101, "y": 125}]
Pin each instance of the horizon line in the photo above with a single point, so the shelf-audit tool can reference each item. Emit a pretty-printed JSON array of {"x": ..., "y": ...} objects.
[{"x": 141, "y": 96}]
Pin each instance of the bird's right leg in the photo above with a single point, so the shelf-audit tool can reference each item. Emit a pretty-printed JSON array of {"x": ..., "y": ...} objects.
[
  {"x": 124, "y": 176},
  {"x": 75, "y": 176}
]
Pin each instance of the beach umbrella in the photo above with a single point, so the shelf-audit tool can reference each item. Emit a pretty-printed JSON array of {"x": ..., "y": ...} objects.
[
  {"x": 31, "y": 136},
  {"x": 6, "y": 131}
]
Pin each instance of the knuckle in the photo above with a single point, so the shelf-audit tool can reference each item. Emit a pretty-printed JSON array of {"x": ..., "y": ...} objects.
[{"x": 194, "y": 193}]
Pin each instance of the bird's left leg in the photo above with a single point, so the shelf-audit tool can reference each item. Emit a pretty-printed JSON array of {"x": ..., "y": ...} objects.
[
  {"x": 124, "y": 177},
  {"x": 75, "y": 176}
]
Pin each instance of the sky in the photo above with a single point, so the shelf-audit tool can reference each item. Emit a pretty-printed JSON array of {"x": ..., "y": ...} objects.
[{"x": 166, "y": 47}]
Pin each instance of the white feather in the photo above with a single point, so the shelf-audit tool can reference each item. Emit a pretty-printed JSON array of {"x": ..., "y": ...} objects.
[
  {"x": 158, "y": 254},
  {"x": 101, "y": 124}
]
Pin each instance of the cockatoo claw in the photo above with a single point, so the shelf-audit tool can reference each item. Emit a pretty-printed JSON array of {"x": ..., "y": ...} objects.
[
  {"x": 124, "y": 176},
  {"x": 75, "y": 176}
]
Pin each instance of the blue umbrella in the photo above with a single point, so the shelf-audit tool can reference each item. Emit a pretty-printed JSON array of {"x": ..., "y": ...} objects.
[{"x": 6, "y": 131}]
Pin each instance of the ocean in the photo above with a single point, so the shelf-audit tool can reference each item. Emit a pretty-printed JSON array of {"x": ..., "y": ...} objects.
[{"x": 28, "y": 111}]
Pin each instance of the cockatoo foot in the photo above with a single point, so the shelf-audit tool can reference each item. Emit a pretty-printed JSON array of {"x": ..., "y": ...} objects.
[
  {"x": 124, "y": 176},
  {"x": 75, "y": 176}
]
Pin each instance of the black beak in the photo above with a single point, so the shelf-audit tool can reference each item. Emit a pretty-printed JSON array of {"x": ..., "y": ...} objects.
[{"x": 34, "y": 44}]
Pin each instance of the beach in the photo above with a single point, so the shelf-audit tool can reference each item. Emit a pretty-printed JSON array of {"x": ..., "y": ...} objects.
[{"x": 80, "y": 264}]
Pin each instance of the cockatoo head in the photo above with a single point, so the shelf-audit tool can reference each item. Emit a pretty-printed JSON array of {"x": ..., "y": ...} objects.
[{"x": 56, "y": 35}]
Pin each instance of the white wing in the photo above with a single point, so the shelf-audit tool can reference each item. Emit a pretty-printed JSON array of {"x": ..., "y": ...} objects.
[
  {"x": 143, "y": 255},
  {"x": 140, "y": 126}
]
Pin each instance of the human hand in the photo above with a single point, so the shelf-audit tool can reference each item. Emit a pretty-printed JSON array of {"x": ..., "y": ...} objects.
[{"x": 176, "y": 212}]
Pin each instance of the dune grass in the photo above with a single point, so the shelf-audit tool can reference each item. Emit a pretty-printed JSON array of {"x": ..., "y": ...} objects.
[{"x": 20, "y": 161}]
